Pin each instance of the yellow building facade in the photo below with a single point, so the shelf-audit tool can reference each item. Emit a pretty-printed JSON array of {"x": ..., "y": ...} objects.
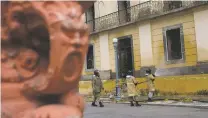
[{"x": 152, "y": 47}]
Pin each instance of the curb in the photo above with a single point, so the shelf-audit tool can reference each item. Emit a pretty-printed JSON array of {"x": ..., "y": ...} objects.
[
  {"x": 188, "y": 106},
  {"x": 170, "y": 98},
  {"x": 168, "y": 105}
]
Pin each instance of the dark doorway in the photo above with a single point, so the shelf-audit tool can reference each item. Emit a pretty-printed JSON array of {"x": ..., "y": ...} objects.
[{"x": 125, "y": 57}]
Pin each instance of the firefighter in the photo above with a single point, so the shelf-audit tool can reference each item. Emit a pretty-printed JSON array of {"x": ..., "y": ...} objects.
[
  {"x": 97, "y": 87},
  {"x": 133, "y": 94},
  {"x": 150, "y": 84}
]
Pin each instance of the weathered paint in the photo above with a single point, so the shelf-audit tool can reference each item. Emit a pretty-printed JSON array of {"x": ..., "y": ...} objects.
[
  {"x": 179, "y": 84},
  {"x": 185, "y": 18}
]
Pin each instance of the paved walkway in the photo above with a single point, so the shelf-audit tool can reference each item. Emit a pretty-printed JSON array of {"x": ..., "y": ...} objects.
[
  {"x": 145, "y": 111},
  {"x": 176, "y": 103}
]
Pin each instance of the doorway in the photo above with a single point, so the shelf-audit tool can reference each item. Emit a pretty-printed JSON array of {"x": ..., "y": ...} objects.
[{"x": 125, "y": 56}]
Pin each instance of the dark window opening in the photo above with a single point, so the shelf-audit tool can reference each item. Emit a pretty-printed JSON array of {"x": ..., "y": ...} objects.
[
  {"x": 90, "y": 17},
  {"x": 124, "y": 11},
  {"x": 174, "y": 51},
  {"x": 90, "y": 57},
  {"x": 175, "y": 4},
  {"x": 170, "y": 5},
  {"x": 125, "y": 57},
  {"x": 85, "y": 17},
  {"x": 123, "y": 5}
]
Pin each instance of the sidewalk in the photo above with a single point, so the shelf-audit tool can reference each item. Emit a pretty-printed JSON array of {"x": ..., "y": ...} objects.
[{"x": 172, "y": 101}]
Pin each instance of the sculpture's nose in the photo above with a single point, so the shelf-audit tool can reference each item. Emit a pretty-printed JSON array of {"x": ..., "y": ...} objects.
[{"x": 77, "y": 40}]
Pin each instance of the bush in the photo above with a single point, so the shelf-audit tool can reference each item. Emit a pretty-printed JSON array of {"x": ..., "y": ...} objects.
[
  {"x": 143, "y": 92},
  {"x": 157, "y": 93},
  {"x": 187, "y": 100},
  {"x": 202, "y": 92},
  {"x": 168, "y": 93},
  {"x": 166, "y": 99}
]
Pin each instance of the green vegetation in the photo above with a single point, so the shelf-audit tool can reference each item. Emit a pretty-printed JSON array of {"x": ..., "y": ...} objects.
[
  {"x": 166, "y": 99},
  {"x": 202, "y": 92},
  {"x": 186, "y": 100}
]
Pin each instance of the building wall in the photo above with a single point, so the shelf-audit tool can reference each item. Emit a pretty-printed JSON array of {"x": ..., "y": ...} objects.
[
  {"x": 201, "y": 29},
  {"x": 143, "y": 32},
  {"x": 180, "y": 84},
  {"x": 103, "y": 8},
  {"x": 153, "y": 30},
  {"x": 194, "y": 24},
  {"x": 146, "y": 44},
  {"x": 135, "y": 2},
  {"x": 185, "y": 18},
  {"x": 95, "y": 41},
  {"x": 104, "y": 51},
  {"x": 125, "y": 31}
]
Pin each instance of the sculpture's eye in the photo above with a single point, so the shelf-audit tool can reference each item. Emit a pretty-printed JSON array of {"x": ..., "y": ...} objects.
[
  {"x": 19, "y": 17},
  {"x": 28, "y": 61},
  {"x": 70, "y": 35},
  {"x": 83, "y": 33}
]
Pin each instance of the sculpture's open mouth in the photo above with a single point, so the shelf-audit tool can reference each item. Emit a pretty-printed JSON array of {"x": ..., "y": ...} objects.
[{"x": 71, "y": 66}]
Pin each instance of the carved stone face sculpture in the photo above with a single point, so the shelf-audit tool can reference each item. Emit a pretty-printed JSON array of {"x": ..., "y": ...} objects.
[{"x": 43, "y": 50}]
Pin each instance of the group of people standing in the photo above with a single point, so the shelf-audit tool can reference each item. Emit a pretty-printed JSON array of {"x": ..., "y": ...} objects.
[{"x": 131, "y": 84}]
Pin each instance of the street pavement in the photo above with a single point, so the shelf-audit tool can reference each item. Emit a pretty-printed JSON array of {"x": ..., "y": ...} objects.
[{"x": 125, "y": 111}]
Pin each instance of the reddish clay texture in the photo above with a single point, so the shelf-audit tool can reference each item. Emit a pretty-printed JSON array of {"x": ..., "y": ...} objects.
[{"x": 43, "y": 50}]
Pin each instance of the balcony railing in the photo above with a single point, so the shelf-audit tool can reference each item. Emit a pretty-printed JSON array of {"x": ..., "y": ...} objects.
[{"x": 139, "y": 12}]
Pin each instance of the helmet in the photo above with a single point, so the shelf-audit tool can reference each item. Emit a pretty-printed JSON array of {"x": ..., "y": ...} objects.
[
  {"x": 123, "y": 75},
  {"x": 129, "y": 72},
  {"x": 148, "y": 71},
  {"x": 96, "y": 72}
]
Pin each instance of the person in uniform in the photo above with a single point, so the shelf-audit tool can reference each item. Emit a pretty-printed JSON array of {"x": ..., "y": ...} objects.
[
  {"x": 133, "y": 94},
  {"x": 97, "y": 87},
  {"x": 150, "y": 84}
]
